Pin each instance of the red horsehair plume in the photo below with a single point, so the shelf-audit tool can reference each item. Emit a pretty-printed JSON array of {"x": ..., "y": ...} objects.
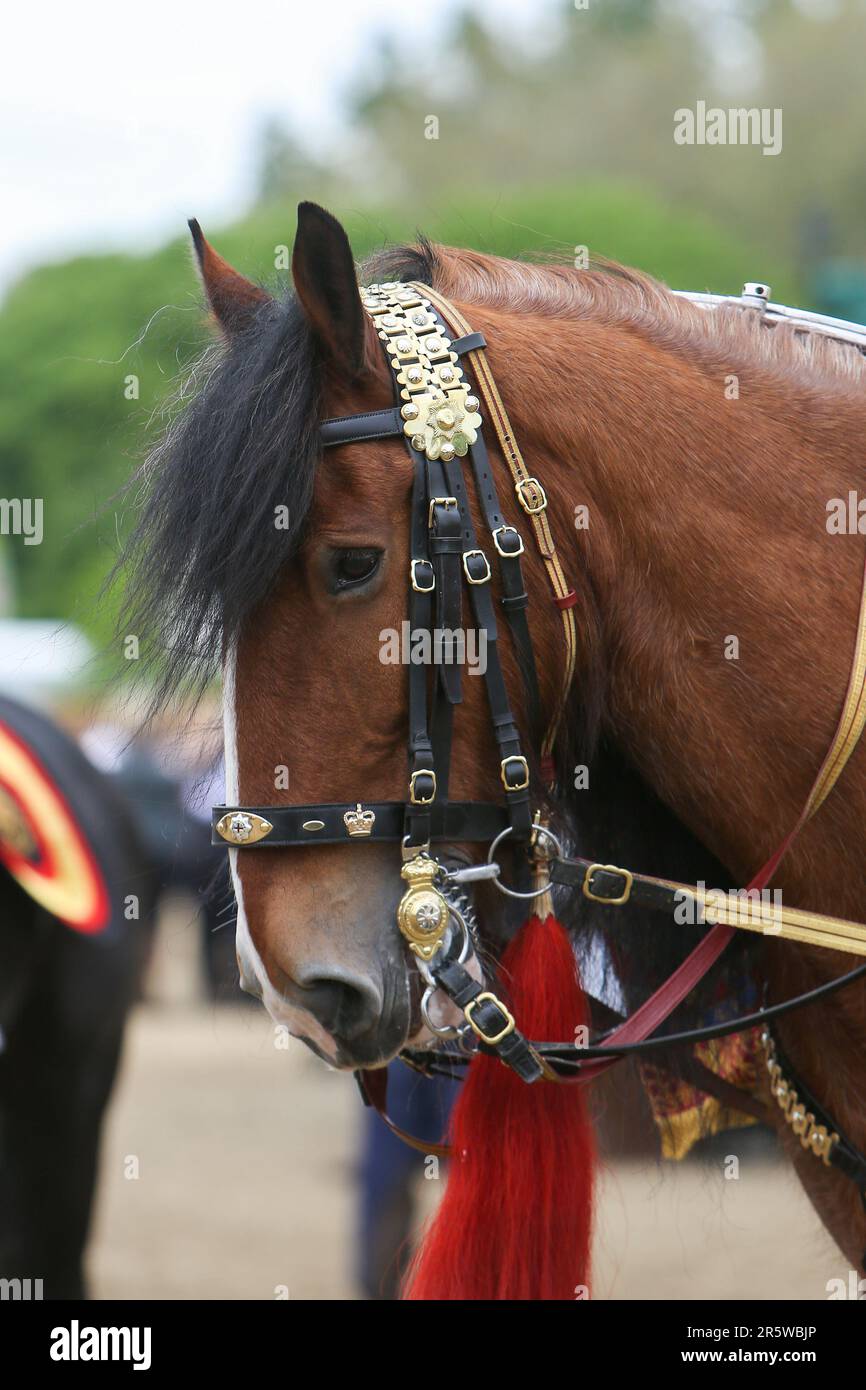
[{"x": 515, "y": 1219}]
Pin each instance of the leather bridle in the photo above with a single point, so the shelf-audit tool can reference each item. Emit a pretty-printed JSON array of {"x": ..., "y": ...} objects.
[{"x": 426, "y": 341}]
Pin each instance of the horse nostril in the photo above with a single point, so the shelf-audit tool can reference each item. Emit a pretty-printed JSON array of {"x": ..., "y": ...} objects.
[{"x": 347, "y": 1006}]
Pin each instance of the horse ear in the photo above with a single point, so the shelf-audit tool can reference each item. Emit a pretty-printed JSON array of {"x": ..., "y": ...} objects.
[
  {"x": 233, "y": 299},
  {"x": 327, "y": 286}
]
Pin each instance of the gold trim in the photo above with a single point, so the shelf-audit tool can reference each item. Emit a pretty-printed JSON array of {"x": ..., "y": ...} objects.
[
  {"x": 508, "y": 554},
  {"x": 422, "y": 913},
  {"x": 467, "y": 556},
  {"x": 241, "y": 827},
  {"x": 613, "y": 869},
  {"x": 479, "y": 1033},
  {"x": 440, "y": 413},
  {"x": 531, "y": 496},
  {"x": 14, "y": 828},
  {"x": 76, "y": 890},
  {"x": 814, "y": 1137},
  {"x": 735, "y": 909},
  {"x": 421, "y": 588},
  {"x": 359, "y": 823},
  {"x": 514, "y": 758},
  {"x": 439, "y": 501},
  {"x": 422, "y": 800}
]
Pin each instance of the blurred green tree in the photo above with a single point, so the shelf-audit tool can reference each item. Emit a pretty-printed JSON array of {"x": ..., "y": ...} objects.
[
  {"x": 556, "y": 136},
  {"x": 92, "y": 350}
]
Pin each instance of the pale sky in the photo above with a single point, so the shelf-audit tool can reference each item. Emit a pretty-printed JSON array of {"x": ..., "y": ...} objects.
[{"x": 119, "y": 121}]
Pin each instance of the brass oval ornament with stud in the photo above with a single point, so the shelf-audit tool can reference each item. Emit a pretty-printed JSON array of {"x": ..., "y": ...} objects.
[
  {"x": 243, "y": 827},
  {"x": 422, "y": 914}
]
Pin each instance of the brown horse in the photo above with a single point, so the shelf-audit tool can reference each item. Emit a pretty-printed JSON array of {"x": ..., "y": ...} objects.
[{"x": 697, "y": 452}]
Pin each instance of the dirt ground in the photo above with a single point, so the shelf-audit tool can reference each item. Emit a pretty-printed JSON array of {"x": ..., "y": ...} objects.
[{"x": 245, "y": 1156}]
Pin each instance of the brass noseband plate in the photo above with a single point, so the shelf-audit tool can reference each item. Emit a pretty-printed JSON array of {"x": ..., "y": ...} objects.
[{"x": 422, "y": 914}]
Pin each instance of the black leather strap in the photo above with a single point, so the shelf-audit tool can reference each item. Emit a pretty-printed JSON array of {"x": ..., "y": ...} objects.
[
  {"x": 442, "y": 556},
  {"x": 459, "y": 820},
  {"x": 422, "y": 578},
  {"x": 353, "y": 429},
  {"x": 507, "y": 544},
  {"x": 470, "y": 342},
  {"x": 446, "y": 550},
  {"x": 477, "y": 573},
  {"x": 495, "y": 1028},
  {"x": 611, "y": 885},
  {"x": 505, "y": 728}
]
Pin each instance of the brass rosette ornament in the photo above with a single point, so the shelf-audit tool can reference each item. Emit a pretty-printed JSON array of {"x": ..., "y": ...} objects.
[
  {"x": 440, "y": 414},
  {"x": 423, "y": 913}
]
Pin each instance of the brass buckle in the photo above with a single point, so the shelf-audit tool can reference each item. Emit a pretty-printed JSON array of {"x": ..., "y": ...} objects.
[
  {"x": 422, "y": 800},
  {"x": 521, "y": 786},
  {"x": 612, "y": 869},
  {"x": 439, "y": 502},
  {"x": 479, "y": 1033},
  {"x": 413, "y": 572},
  {"x": 509, "y": 554},
  {"x": 531, "y": 495},
  {"x": 467, "y": 556}
]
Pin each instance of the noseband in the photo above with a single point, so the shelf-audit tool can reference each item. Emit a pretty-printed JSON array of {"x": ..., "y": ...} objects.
[{"x": 436, "y": 413}]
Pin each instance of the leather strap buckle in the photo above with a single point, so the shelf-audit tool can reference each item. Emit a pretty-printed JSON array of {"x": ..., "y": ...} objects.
[
  {"x": 515, "y": 766},
  {"x": 626, "y": 876},
  {"x": 420, "y": 570},
  {"x": 507, "y": 534},
  {"x": 531, "y": 495},
  {"x": 478, "y": 560},
  {"x": 490, "y": 1040},
  {"x": 417, "y": 797},
  {"x": 439, "y": 502}
]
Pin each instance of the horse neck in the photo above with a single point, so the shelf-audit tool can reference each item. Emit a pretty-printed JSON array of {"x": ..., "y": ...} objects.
[{"x": 728, "y": 611}]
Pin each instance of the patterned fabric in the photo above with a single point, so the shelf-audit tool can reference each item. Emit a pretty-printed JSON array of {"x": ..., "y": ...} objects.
[{"x": 684, "y": 1114}]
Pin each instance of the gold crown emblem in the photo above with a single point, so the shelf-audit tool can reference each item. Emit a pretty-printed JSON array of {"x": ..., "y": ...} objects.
[{"x": 359, "y": 822}]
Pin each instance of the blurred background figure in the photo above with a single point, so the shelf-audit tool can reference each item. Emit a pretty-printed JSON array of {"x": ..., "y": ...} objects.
[
  {"x": 390, "y": 1207},
  {"x": 170, "y": 778},
  {"x": 76, "y": 913}
]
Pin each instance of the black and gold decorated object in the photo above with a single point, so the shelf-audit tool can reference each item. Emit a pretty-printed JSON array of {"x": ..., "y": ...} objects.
[{"x": 43, "y": 843}]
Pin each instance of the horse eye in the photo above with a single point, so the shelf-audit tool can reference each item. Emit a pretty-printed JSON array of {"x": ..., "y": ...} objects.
[{"x": 354, "y": 567}]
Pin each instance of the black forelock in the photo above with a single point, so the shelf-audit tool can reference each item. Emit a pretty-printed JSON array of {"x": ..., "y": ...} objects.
[{"x": 240, "y": 454}]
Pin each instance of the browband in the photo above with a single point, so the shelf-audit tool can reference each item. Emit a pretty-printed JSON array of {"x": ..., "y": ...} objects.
[
  {"x": 340, "y": 822},
  {"x": 383, "y": 424},
  {"x": 354, "y": 429}
]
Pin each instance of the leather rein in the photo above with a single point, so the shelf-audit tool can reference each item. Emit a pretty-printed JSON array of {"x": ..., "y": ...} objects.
[{"x": 426, "y": 341}]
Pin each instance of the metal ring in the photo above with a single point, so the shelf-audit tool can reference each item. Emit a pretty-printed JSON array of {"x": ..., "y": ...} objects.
[
  {"x": 424, "y": 966},
  {"x": 411, "y": 851},
  {"x": 512, "y": 892},
  {"x": 447, "y": 1032},
  {"x": 424, "y": 971}
]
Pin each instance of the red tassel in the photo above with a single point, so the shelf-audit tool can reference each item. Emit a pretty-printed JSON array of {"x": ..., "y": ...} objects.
[{"x": 515, "y": 1219}]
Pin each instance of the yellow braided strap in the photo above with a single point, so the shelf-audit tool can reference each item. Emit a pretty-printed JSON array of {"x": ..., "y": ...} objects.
[{"x": 530, "y": 495}]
